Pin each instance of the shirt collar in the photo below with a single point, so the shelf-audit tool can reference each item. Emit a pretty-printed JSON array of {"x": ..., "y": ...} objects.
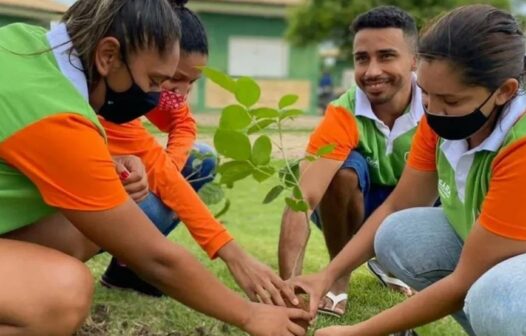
[
  {"x": 67, "y": 60},
  {"x": 416, "y": 109}
]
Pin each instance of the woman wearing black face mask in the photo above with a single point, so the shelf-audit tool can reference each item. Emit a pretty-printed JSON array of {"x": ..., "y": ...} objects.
[
  {"x": 171, "y": 194},
  {"x": 60, "y": 197},
  {"x": 467, "y": 258}
]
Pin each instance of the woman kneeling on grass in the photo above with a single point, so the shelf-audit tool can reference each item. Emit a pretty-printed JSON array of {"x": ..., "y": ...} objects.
[
  {"x": 173, "y": 177},
  {"x": 60, "y": 197},
  {"x": 467, "y": 258}
]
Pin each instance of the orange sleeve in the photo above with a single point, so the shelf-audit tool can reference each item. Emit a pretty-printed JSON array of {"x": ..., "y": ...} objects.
[
  {"x": 167, "y": 182},
  {"x": 339, "y": 128},
  {"x": 182, "y": 131},
  {"x": 66, "y": 157},
  {"x": 503, "y": 211},
  {"x": 422, "y": 155}
]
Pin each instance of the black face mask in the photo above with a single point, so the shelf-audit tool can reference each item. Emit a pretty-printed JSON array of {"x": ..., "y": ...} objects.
[
  {"x": 123, "y": 107},
  {"x": 458, "y": 127}
]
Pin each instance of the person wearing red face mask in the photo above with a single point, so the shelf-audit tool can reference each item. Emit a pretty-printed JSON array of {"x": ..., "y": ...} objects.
[{"x": 171, "y": 192}]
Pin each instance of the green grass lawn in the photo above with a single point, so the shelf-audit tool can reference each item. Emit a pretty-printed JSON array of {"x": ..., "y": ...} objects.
[{"x": 255, "y": 227}]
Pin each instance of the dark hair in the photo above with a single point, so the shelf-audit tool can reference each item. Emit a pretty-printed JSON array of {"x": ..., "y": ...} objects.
[
  {"x": 137, "y": 24},
  {"x": 194, "y": 37},
  {"x": 387, "y": 17},
  {"x": 483, "y": 43}
]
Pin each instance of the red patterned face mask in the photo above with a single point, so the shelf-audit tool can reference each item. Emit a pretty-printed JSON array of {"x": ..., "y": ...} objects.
[{"x": 171, "y": 100}]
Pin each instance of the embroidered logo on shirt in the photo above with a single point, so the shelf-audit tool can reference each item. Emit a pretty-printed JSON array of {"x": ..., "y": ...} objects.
[
  {"x": 372, "y": 162},
  {"x": 443, "y": 189}
]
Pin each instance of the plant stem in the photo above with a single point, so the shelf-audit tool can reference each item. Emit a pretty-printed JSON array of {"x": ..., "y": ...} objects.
[
  {"x": 296, "y": 181},
  {"x": 284, "y": 153}
]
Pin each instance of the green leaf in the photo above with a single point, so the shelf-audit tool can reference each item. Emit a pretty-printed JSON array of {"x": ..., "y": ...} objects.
[
  {"x": 234, "y": 117},
  {"x": 220, "y": 78},
  {"x": 298, "y": 206},
  {"x": 261, "y": 151},
  {"x": 327, "y": 149},
  {"x": 291, "y": 114},
  {"x": 291, "y": 203},
  {"x": 296, "y": 191},
  {"x": 233, "y": 171},
  {"x": 286, "y": 177},
  {"x": 260, "y": 125},
  {"x": 211, "y": 193},
  {"x": 302, "y": 206},
  {"x": 265, "y": 112},
  {"x": 223, "y": 211},
  {"x": 310, "y": 158},
  {"x": 263, "y": 173},
  {"x": 247, "y": 91},
  {"x": 288, "y": 100},
  {"x": 273, "y": 194},
  {"x": 232, "y": 144}
]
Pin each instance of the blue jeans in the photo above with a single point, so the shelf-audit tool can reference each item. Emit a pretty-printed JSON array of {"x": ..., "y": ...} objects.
[
  {"x": 373, "y": 195},
  {"x": 162, "y": 216},
  {"x": 420, "y": 247}
]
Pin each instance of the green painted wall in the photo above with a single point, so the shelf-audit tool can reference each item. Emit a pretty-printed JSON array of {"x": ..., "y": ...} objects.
[
  {"x": 338, "y": 69},
  {"x": 303, "y": 62},
  {"x": 5, "y": 20}
]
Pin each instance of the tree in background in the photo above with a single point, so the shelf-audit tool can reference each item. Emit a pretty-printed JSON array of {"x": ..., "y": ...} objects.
[{"x": 329, "y": 20}]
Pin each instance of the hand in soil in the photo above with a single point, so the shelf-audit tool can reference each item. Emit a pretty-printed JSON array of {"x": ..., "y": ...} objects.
[
  {"x": 259, "y": 281},
  {"x": 315, "y": 285},
  {"x": 266, "y": 320},
  {"x": 304, "y": 304}
]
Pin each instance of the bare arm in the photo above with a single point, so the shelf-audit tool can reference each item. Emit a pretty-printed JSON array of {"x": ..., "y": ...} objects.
[
  {"x": 361, "y": 247},
  {"x": 90, "y": 195},
  {"x": 448, "y": 294},
  {"x": 314, "y": 180},
  {"x": 122, "y": 230}
]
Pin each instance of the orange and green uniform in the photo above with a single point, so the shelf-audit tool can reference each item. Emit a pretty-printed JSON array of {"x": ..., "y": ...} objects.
[
  {"x": 350, "y": 124},
  {"x": 485, "y": 183},
  {"x": 52, "y": 147}
]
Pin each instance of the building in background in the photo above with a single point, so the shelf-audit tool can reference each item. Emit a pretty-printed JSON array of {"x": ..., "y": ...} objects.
[
  {"x": 41, "y": 12},
  {"x": 247, "y": 39}
]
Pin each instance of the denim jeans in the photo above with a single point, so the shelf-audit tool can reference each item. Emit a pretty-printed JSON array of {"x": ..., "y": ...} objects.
[
  {"x": 420, "y": 247},
  {"x": 162, "y": 216}
]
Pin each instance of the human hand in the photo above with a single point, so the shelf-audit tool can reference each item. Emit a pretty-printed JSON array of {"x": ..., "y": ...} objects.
[
  {"x": 256, "y": 279},
  {"x": 316, "y": 285},
  {"x": 266, "y": 320},
  {"x": 133, "y": 176}
]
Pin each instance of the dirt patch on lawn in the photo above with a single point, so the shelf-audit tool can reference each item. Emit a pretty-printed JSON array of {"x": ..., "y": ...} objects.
[{"x": 99, "y": 324}]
